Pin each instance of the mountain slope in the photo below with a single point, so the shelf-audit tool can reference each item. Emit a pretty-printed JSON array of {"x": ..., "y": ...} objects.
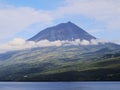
[
  {"x": 56, "y": 63},
  {"x": 63, "y": 31}
]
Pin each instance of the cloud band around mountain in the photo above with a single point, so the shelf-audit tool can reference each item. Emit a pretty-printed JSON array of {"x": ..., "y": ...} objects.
[{"x": 21, "y": 44}]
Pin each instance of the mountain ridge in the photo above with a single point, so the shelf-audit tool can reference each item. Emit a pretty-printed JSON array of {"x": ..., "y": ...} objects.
[{"x": 63, "y": 31}]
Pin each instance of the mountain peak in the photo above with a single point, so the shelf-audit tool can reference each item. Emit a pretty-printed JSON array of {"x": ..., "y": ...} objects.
[
  {"x": 63, "y": 31},
  {"x": 69, "y": 22}
]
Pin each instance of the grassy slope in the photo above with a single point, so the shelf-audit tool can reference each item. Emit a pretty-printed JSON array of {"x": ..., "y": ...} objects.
[
  {"x": 62, "y": 64},
  {"x": 107, "y": 69}
]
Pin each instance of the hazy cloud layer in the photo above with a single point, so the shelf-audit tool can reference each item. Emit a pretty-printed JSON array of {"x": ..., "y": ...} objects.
[{"x": 21, "y": 44}]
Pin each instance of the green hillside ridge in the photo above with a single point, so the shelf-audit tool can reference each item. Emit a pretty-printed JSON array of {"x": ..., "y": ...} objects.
[{"x": 65, "y": 63}]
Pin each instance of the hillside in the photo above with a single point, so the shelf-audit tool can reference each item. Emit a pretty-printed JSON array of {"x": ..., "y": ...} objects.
[{"x": 66, "y": 63}]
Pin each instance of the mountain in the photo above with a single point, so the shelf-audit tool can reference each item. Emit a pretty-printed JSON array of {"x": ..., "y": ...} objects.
[
  {"x": 64, "y": 31},
  {"x": 99, "y": 62}
]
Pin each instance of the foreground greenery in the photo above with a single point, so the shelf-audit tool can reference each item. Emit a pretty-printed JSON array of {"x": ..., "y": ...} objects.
[{"x": 65, "y": 63}]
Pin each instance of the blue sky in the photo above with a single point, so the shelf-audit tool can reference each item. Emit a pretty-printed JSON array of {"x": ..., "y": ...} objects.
[
  {"x": 25, "y": 18},
  {"x": 38, "y": 4}
]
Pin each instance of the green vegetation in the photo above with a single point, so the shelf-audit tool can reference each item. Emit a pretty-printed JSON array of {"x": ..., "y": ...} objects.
[{"x": 66, "y": 63}]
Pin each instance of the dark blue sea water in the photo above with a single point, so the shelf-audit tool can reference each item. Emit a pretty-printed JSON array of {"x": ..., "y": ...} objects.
[{"x": 59, "y": 85}]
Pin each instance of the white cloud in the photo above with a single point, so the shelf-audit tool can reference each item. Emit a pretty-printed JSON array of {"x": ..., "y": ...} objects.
[
  {"x": 105, "y": 11},
  {"x": 17, "y": 41},
  {"x": 85, "y": 42},
  {"x": 21, "y": 44},
  {"x": 16, "y": 19},
  {"x": 98, "y": 41},
  {"x": 116, "y": 41}
]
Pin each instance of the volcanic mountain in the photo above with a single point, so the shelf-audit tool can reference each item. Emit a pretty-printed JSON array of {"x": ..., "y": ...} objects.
[
  {"x": 64, "y": 31},
  {"x": 99, "y": 62}
]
